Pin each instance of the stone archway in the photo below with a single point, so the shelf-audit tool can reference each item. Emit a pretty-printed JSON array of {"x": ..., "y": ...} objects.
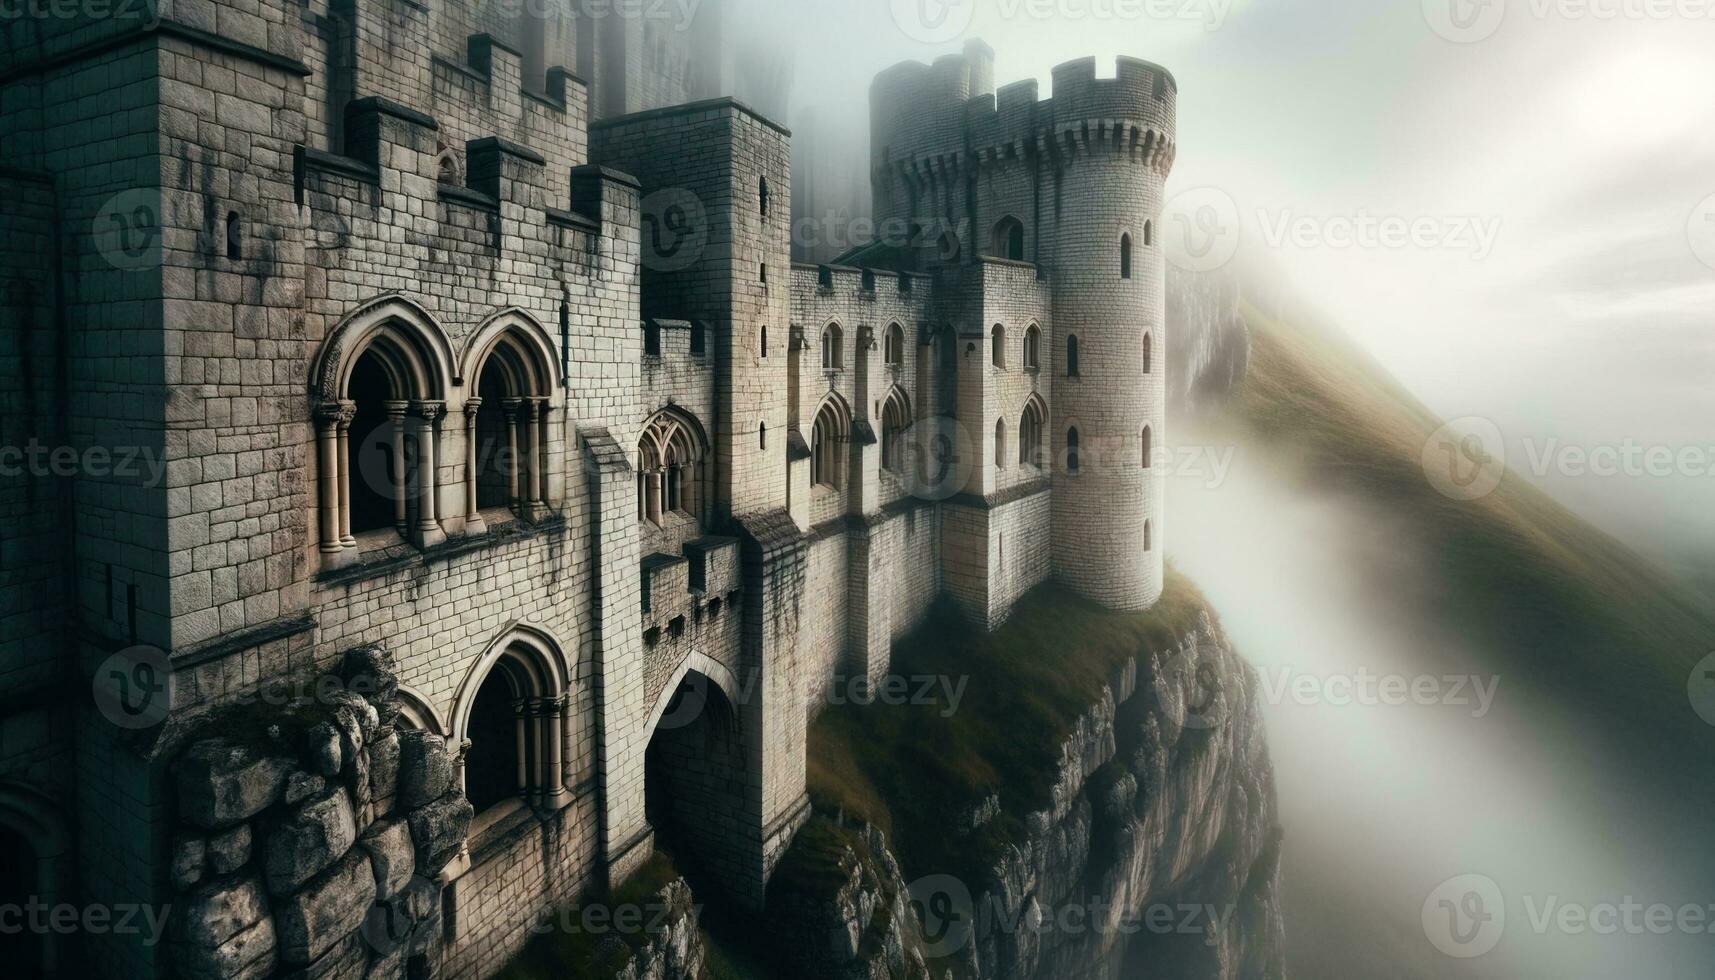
[
  {"x": 697, "y": 781},
  {"x": 34, "y": 852}
]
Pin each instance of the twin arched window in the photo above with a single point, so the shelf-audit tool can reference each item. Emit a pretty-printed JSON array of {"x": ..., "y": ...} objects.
[
  {"x": 893, "y": 346},
  {"x": 827, "y": 446},
  {"x": 833, "y": 348},
  {"x": 1032, "y": 348},
  {"x": 670, "y": 470}
]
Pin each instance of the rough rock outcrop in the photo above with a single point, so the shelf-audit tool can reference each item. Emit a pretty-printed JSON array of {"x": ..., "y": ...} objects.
[
  {"x": 1158, "y": 854},
  {"x": 297, "y": 856}
]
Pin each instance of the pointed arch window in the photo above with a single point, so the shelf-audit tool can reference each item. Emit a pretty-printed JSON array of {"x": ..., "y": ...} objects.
[
  {"x": 1000, "y": 444},
  {"x": 827, "y": 450},
  {"x": 833, "y": 348},
  {"x": 893, "y": 347},
  {"x": 1032, "y": 348},
  {"x": 671, "y": 471},
  {"x": 895, "y": 421},
  {"x": 1030, "y": 426},
  {"x": 997, "y": 342},
  {"x": 1007, "y": 241}
]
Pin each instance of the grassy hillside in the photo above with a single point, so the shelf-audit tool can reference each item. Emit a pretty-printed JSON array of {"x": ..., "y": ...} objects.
[{"x": 1583, "y": 619}]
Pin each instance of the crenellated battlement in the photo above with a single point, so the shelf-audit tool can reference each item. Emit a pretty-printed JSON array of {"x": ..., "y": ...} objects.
[
  {"x": 852, "y": 282},
  {"x": 931, "y": 122}
]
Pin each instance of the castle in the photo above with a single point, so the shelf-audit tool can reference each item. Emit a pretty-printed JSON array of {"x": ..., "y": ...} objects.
[{"x": 355, "y": 327}]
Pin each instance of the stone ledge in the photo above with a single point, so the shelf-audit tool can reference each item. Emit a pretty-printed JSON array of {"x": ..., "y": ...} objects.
[{"x": 452, "y": 548}]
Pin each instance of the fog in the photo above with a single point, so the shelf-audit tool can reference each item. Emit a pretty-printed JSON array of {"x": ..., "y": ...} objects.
[
  {"x": 1383, "y": 802},
  {"x": 1578, "y": 132},
  {"x": 1582, "y": 145}
]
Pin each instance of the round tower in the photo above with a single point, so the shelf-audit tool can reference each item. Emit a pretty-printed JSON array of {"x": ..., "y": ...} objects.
[{"x": 1108, "y": 147}]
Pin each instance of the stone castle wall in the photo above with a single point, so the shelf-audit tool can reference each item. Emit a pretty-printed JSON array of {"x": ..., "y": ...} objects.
[{"x": 374, "y": 185}]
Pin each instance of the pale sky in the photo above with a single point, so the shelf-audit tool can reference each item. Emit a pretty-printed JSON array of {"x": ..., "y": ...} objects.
[{"x": 1583, "y": 146}]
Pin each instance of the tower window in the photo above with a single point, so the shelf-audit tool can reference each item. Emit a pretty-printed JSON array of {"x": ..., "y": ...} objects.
[
  {"x": 762, "y": 195},
  {"x": 1008, "y": 239},
  {"x": 1000, "y": 444},
  {"x": 234, "y": 236},
  {"x": 1148, "y": 353},
  {"x": 1032, "y": 348},
  {"x": 1125, "y": 256},
  {"x": 997, "y": 340},
  {"x": 1073, "y": 463},
  {"x": 1072, "y": 355},
  {"x": 1148, "y": 448},
  {"x": 833, "y": 357},
  {"x": 893, "y": 349}
]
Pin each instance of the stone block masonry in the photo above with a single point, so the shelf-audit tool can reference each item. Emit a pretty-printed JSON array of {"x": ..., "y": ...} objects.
[{"x": 414, "y": 357}]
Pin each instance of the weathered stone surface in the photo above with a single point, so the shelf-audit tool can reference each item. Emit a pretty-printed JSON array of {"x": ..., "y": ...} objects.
[
  {"x": 384, "y": 769},
  {"x": 222, "y": 782},
  {"x": 246, "y": 955},
  {"x": 327, "y": 910},
  {"x": 393, "y": 854},
  {"x": 345, "y": 960},
  {"x": 323, "y": 750},
  {"x": 313, "y": 837},
  {"x": 301, "y": 786},
  {"x": 189, "y": 859},
  {"x": 369, "y": 671},
  {"x": 218, "y": 911},
  {"x": 228, "y": 851},
  {"x": 425, "y": 769},
  {"x": 350, "y": 707},
  {"x": 439, "y": 830}
]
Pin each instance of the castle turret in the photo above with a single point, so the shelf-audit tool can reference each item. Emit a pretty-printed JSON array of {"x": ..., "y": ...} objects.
[{"x": 1075, "y": 185}]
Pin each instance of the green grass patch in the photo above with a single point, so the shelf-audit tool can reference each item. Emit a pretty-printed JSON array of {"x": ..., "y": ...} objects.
[
  {"x": 913, "y": 769},
  {"x": 586, "y": 954}
]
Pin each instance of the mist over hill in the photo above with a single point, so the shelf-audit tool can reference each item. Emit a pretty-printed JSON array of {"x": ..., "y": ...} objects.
[{"x": 1586, "y": 781}]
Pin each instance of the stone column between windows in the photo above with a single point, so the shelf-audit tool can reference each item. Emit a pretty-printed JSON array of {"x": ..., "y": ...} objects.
[
  {"x": 347, "y": 412},
  {"x": 396, "y": 433},
  {"x": 557, "y": 710},
  {"x": 473, "y": 517},
  {"x": 328, "y": 475},
  {"x": 515, "y": 486},
  {"x": 538, "y": 454},
  {"x": 521, "y": 719},
  {"x": 428, "y": 479}
]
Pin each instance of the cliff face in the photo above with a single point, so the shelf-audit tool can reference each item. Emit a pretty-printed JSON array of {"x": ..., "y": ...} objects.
[{"x": 1158, "y": 855}]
